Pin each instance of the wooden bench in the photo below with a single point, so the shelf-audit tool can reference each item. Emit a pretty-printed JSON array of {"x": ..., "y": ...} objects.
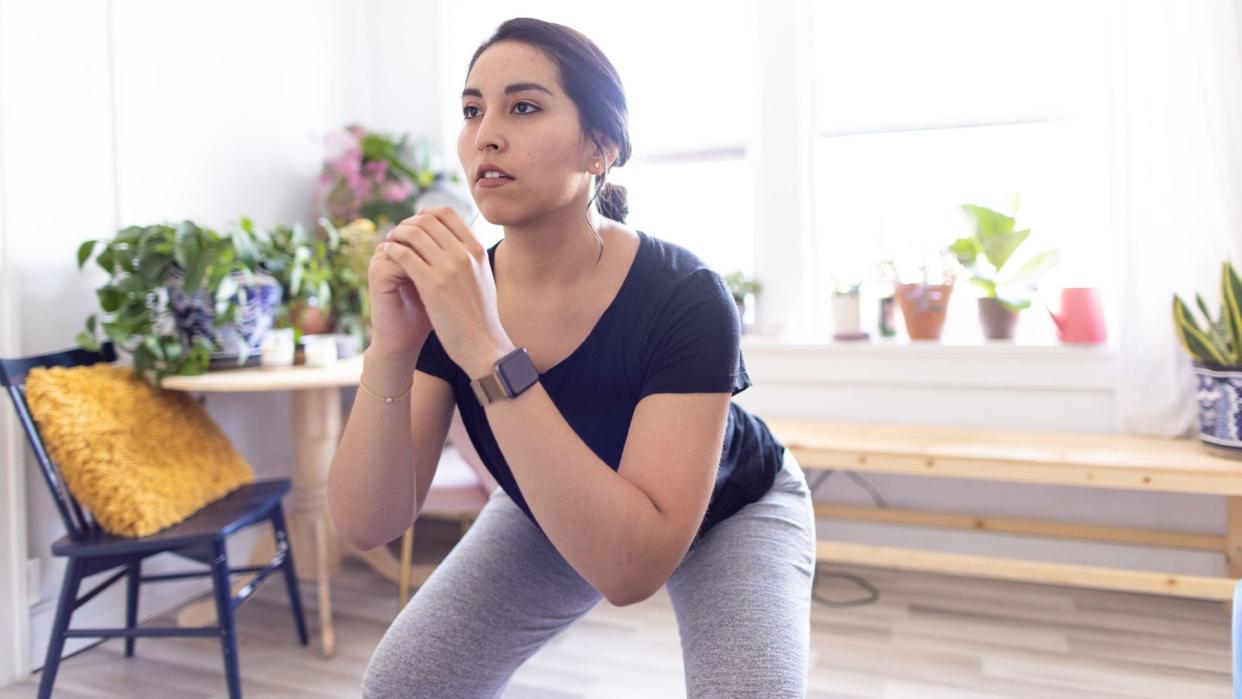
[{"x": 1086, "y": 460}]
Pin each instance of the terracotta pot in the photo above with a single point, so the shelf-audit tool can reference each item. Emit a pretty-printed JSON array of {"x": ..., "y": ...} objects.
[
  {"x": 998, "y": 322},
  {"x": 311, "y": 319},
  {"x": 924, "y": 307}
]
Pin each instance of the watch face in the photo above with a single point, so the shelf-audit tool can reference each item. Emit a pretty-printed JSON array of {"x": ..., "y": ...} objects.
[{"x": 517, "y": 371}]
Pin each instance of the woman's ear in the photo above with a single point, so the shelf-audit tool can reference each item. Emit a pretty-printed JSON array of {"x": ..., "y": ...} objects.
[{"x": 605, "y": 154}]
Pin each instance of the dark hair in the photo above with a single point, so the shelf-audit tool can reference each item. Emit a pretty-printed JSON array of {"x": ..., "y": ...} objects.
[{"x": 591, "y": 82}]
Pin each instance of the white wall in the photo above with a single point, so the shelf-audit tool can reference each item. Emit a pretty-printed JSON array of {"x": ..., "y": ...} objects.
[{"x": 138, "y": 111}]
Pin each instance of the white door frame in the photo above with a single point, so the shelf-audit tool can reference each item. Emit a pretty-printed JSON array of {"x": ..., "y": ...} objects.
[{"x": 15, "y": 633}]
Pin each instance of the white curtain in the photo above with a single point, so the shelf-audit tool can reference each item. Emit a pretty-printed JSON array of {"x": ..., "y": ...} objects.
[{"x": 1176, "y": 129}]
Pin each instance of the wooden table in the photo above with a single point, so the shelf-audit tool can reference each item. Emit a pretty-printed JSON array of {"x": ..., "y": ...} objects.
[
  {"x": 1085, "y": 460},
  {"x": 317, "y": 548}
]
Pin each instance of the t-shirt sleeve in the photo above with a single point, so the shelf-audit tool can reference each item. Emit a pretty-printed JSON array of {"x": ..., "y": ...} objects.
[
  {"x": 695, "y": 344},
  {"x": 434, "y": 360}
]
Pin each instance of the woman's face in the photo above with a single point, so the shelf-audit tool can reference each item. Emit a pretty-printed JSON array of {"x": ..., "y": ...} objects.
[{"x": 517, "y": 117}]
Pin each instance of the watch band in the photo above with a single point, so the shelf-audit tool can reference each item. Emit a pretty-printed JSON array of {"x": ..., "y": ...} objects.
[{"x": 510, "y": 376}]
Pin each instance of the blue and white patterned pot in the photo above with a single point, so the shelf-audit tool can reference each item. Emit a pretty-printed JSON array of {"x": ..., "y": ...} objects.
[
  {"x": 1220, "y": 408},
  {"x": 194, "y": 316}
]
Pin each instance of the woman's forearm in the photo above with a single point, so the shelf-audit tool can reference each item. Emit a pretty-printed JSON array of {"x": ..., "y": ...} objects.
[
  {"x": 604, "y": 525},
  {"x": 371, "y": 485}
]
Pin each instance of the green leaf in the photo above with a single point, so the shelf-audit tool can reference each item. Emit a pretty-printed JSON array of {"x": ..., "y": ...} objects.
[
  {"x": 87, "y": 341},
  {"x": 189, "y": 253},
  {"x": 988, "y": 222},
  {"x": 84, "y": 252},
  {"x": 118, "y": 333},
  {"x": 105, "y": 260},
  {"x": 966, "y": 250},
  {"x": 109, "y": 298},
  {"x": 999, "y": 247},
  {"x": 1192, "y": 337},
  {"x": 1231, "y": 308},
  {"x": 334, "y": 236},
  {"x": 152, "y": 267},
  {"x": 129, "y": 235},
  {"x": 143, "y": 360},
  {"x": 1034, "y": 267},
  {"x": 172, "y": 349},
  {"x": 986, "y": 284}
]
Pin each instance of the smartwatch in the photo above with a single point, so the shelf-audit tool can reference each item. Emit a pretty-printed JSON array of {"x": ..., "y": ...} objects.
[{"x": 512, "y": 374}]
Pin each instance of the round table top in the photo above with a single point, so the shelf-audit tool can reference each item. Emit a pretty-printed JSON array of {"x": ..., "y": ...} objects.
[{"x": 345, "y": 372}]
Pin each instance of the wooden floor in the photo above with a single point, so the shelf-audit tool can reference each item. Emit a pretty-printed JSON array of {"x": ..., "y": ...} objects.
[{"x": 927, "y": 636}]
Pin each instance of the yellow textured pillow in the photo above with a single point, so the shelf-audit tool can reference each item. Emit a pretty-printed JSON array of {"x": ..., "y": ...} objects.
[{"x": 139, "y": 458}]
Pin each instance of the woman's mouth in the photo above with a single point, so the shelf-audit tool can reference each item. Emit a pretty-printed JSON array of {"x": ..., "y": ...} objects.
[{"x": 493, "y": 179}]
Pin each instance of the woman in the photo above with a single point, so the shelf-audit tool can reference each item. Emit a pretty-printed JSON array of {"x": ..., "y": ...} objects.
[{"x": 622, "y": 461}]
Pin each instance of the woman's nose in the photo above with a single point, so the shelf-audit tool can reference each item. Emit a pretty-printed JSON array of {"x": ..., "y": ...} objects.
[{"x": 489, "y": 134}]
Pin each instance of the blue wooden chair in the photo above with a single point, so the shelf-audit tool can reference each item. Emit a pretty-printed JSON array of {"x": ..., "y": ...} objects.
[{"x": 200, "y": 538}]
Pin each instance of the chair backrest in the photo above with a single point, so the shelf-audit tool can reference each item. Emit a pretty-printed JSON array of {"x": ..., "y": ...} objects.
[{"x": 13, "y": 374}]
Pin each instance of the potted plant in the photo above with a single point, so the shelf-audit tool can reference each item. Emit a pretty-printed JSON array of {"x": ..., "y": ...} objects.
[
  {"x": 299, "y": 261},
  {"x": 323, "y": 276},
  {"x": 367, "y": 174},
  {"x": 847, "y": 312},
  {"x": 984, "y": 253},
  {"x": 181, "y": 299},
  {"x": 924, "y": 297},
  {"x": 1216, "y": 348},
  {"x": 741, "y": 286}
]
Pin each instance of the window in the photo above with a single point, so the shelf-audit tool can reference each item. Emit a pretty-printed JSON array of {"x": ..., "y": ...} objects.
[
  {"x": 688, "y": 73},
  {"x": 920, "y": 107}
]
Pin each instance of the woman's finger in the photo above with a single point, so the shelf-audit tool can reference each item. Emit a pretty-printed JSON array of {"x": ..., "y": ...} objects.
[
  {"x": 409, "y": 260},
  {"x": 447, "y": 216},
  {"x": 416, "y": 238},
  {"x": 430, "y": 226}
]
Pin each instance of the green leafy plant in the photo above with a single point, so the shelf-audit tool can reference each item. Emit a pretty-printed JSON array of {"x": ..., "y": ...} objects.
[
  {"x": 134, "y": 301},
  {"x": 325, "y": 267},
  {"x": 740, "y": 285},
  {"x": 1219, "y": 342},
  {"x": 990, "y": 246}
]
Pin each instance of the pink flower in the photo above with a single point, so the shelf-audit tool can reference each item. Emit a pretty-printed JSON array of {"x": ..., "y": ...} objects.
[
  {"x": 349, "y": 163},
  {"x": 398, "y": 191},
  {"x": 338, "y": 143}
]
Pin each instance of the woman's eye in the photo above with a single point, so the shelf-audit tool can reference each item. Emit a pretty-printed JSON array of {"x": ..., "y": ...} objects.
[{"x": 467, "y": 113}]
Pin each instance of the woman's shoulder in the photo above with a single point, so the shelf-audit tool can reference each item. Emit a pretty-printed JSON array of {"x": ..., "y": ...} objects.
[{"x": 668, "y": 261}]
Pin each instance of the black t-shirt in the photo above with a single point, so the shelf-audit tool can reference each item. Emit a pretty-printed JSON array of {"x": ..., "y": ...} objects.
[{"x": 672, "y": 328}]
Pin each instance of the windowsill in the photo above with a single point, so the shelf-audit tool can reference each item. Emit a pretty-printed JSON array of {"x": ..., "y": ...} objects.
[
  {"x": 904, "y": 347},
  {"x": 951, "y": 364}
]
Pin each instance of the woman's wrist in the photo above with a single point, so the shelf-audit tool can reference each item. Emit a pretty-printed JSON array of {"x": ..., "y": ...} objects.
[{"x": 387, "y": 374}]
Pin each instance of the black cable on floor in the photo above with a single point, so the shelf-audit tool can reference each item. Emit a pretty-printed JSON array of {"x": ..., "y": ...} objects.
[{"x": 873, "y": 593}]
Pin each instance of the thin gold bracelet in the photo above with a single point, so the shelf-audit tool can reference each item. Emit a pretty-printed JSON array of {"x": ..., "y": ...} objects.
[{"x": 386, "y": 399}]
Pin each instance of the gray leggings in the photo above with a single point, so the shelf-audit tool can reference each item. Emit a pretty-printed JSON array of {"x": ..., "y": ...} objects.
[{"x": 741, "y": 595}]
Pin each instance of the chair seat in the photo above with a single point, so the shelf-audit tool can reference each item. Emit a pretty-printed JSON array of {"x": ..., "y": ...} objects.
[
  {"x": 456, "y": 488},
  {"x": 251, "y": 503}
]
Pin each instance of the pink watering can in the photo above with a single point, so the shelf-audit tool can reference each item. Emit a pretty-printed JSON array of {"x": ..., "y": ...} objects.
[{"x": 1081, "y": 319}]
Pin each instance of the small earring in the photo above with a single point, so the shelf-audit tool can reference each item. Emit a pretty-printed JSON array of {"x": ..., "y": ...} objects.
[{"x": 596, "y": 164}]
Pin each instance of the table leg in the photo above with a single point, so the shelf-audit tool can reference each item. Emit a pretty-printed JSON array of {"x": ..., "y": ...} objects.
[{"x": 317, "y": 547}]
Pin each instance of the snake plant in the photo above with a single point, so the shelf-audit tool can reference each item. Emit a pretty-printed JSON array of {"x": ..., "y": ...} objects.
[{"x": 1219, "y": 341}]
